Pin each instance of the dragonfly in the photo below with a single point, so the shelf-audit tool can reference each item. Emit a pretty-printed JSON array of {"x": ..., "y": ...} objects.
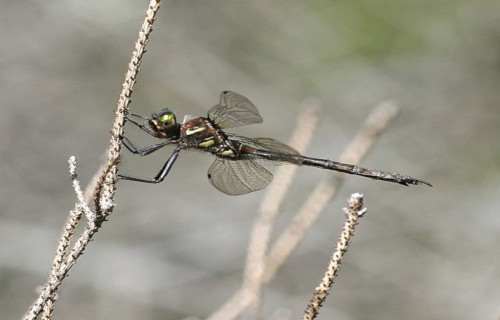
[{"x": 239, "y": 161}]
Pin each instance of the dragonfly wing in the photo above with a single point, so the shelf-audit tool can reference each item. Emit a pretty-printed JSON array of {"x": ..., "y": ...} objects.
[
  {"x": 274, "y": 145},
  {"x": 287, "y": 153},
  {"x": 234, "y": 110},
  {"x": 238, "y": 177}
]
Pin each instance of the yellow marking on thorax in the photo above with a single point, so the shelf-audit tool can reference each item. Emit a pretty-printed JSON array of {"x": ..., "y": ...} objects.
[
  {"x": 207, "y": 143},
  {"x": 228, "y": 153},
  {"x": 194, "y": 130}
]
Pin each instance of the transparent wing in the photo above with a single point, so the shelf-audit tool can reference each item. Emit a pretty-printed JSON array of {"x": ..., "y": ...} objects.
[
  {"x": 238, "y": 177},
  {"x": 234, "y": 110},
  {"x": 285, "y": 152},
  {"x": 271, "y": 145}
]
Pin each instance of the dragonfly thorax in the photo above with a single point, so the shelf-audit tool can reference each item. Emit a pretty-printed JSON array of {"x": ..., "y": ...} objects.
[{"x": 200, "y": 133}]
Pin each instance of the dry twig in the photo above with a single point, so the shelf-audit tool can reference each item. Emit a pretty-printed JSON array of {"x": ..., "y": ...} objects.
[
  {"x": 104, "y": 191},
  {"x": 352, "y": 213}
]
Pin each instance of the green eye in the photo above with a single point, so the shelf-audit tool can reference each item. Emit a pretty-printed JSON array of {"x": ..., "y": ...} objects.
[{"x": 165, "y": 116}]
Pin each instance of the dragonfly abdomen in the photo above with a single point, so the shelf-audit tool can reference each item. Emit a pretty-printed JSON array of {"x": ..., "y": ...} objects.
[{"x": 360, "y": 171}]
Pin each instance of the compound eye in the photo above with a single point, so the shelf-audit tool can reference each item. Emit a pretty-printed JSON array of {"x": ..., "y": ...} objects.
[{"x": 165, "y": 116}]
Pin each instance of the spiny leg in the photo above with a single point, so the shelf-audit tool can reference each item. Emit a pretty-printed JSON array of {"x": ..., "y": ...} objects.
[
  {"x": 141, "y": 126},
  {"x": 146, "y": 150},
  {"x": 138, "y": 116},
  {"x": 161, "y": 174}
]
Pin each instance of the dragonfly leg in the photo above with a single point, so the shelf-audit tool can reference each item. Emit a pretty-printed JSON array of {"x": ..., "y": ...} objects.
[
  {"x": 137, "y": 115},
  {"x": 160, "y": 176},
  {"x": 143, "y": 151},
  {"x": 141, "y": 126}
]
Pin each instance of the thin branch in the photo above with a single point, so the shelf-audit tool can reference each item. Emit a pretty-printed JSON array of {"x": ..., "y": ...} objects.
[
  {"x": 82, "y": 201},
  {"x": 66, "y": 236},
  {"x": 352, "y": 213},
  {"x": 104, "y": 192},
  {"x": 104, "y": 188}
]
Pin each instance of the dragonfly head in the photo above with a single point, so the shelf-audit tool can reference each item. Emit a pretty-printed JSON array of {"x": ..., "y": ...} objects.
[{"x": 164, "y": 124}]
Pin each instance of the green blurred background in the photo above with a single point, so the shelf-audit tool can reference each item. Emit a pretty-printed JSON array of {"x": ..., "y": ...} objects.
[{"x": 176, "y": 250}]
